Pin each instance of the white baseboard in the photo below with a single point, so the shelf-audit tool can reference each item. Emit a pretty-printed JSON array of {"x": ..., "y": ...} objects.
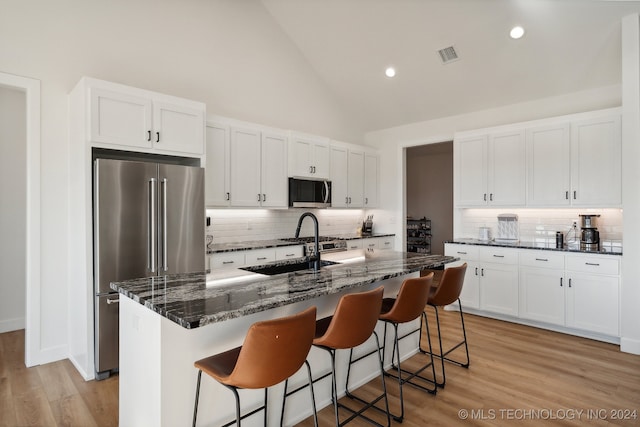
[
  {"x": 81, "y": 369},
  {"x": 52, "y": 354},
  {"x": 9, "y": 325},
  {"x": 629, "y": 345}
]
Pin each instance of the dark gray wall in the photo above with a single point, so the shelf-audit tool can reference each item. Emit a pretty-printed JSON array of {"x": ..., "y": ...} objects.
[{"x": 430, "y": 189}]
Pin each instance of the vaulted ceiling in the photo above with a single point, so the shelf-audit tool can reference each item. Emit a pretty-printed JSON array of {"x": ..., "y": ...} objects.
[{"x": 568, "y": 46}]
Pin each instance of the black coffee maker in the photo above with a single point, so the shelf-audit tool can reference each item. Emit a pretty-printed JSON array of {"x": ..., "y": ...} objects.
[{"x": 590, "y": 237}]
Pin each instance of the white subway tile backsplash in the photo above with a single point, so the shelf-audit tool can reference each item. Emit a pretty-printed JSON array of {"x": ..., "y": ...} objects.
[
  {"x": 234, "y": 225},
  {"x": 540, "y": 225}
]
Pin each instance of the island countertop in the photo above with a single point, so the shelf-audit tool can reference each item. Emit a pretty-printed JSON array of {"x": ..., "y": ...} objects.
[{"x": 197, "y": 299}]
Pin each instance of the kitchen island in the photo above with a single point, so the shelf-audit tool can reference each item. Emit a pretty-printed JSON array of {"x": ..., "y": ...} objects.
[{"x": 168, "y": 322}]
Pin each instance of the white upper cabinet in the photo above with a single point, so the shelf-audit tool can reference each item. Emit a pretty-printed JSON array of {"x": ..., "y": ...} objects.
[
  {"x": 347, "y": 177},
  {"x": 471, "y": 171},
  {"x": 596, "y": 162},
  {"x": 491, "y": 170},
  {"x": 148, "y": 121},
  {"x": 506, "y": 180},
  {"x": 308, "y": 156},
  {"x": 217, "y": 192},
  {"x": 563, "y": 161},
  {"x": 371, "y": 180},
  {"x": 273, "y": 170},
  {"x": 548, "y": 159},
  {"x": 246, "y": 167}
]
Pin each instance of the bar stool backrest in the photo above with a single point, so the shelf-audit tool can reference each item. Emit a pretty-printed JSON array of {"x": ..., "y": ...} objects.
[
  {"x": 450, "y": 286},
  {"x": 274, "y": 350},
  {"x": 411, "y": 300},
  {"x": 354, "y": 320}
]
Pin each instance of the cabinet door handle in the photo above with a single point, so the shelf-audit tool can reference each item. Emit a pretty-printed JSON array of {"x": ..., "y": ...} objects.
[
  {"x": 264, "y": 197},
  {"x": 491, "y": 197},
  {"x": 148, "y": 135},
  {"x": 482, "y": 272},
  {"x": 566, "y": 195},
  {"x": 310, "y": 169},
  {"x": 542, "y": 259},
  {"x": 349, "y": 200},
  {"x": 569, "y": 282},
  {"x": 462, "y": 253},
  {"x": 498, "y": 256},
  {"x": 574, "y": 194},
  {"x": 259, "y": 197},
  {"x": 561, "y": 282},
  {"x": 346, "y": 200},
  {"x": 366, "y": 200},
  {"x": 592, "y": 263},
  {"x": 228, "y": 196},
  {"x": 157, "y": 136},
  {"x": 485, "y": 197},
  {"x": 476, "y": 271}
]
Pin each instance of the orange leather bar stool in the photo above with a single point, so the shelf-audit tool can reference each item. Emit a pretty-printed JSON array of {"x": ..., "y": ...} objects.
[
  {"x": 406, "y": 307},
  {"x": 447, "y": 293},
  {"x": 352, "y": 323},
  {"x": 273, "y": 350}
]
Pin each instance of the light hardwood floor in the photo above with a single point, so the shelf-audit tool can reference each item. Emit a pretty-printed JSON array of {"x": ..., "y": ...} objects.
[{"x": 516, "y": 373}]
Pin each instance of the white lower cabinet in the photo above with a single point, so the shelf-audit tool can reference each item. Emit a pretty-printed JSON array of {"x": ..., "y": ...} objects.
[
  {"x": 579, "y": 292},
  {"x": 250, "y": 257},
  {"x": 372, "y": 243},
  {"x": 593, "y": 294},
  {"x": 499, "y": 288},
  {"x": 542, "y": 287},
  {"x": 470, "y": 295}
]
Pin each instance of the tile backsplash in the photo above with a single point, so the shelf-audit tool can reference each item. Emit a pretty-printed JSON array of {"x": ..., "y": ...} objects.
[
  {"x": 540, "y": 225},
  {"x": 234, "y": 225}
]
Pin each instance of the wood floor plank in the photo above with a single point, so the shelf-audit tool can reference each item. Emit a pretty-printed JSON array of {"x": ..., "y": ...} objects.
[{"x": 513, "y": 368}]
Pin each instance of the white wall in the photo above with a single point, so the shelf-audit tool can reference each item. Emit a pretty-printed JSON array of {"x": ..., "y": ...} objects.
[
  {"x": 227, "y": 53},
  {"x": 13, "y": 190}
]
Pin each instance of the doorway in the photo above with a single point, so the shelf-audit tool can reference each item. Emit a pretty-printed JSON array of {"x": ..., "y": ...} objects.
[
  {"x": 429, "y": 189},
  {"x": 20, "y": 222}
]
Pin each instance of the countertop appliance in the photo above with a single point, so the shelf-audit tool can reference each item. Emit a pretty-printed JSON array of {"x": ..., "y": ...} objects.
[
  {"x": 307, "y": 193},
  {"x": 326, "y": 244},
  {"x": 148, "y": 220},
  {"x": 590, "y": 236}
]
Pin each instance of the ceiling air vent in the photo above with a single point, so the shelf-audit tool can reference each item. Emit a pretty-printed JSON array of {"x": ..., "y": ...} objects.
[{"x": 448, "y": 54}]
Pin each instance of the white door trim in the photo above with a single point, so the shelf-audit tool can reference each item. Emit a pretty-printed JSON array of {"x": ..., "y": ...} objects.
[{"x": 31, "y": 87}]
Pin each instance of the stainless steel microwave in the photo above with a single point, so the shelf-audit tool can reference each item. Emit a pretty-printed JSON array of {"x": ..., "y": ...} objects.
[{"x": 307, "y": 193}]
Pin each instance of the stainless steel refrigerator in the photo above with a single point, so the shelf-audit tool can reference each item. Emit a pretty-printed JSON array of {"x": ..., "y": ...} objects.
[{"x": 148, "y": 221}]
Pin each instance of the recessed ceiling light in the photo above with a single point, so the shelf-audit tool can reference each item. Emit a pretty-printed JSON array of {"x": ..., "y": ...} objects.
[
  {"x": 390, "y": 72},
  {"x": 516, "y": 32}
]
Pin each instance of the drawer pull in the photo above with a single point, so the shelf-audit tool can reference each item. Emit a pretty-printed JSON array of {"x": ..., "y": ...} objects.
[
  {"x": 592, "y": 263},
  {"x": 289, "y": 254},
  {"x": 542, "y": 259},
  {"x": 387, "y": 243},
  {"x": 461, "y": 253},
  {"x": 260, "y": 258},
  {"x": 228, "y": 262},
  {"x": 498, "y": 256}
]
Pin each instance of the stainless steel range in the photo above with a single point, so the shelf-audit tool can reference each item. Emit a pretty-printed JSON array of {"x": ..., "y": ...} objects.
[{"x": 326, "y": 244}]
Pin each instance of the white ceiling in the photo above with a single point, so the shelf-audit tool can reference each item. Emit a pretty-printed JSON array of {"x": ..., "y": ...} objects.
[{"x": 569, "y": 45}]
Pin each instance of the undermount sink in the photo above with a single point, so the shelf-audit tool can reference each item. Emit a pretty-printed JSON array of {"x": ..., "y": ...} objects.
[{"x": 286, "y": 268}]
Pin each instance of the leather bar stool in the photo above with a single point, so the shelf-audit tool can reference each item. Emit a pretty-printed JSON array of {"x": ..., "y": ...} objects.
[
  {"x": 352, "y": 323},
  {"x": 406, "y": 307},
  {"x": 447, "y": 293},
  {"x": 273, "y": 350}
]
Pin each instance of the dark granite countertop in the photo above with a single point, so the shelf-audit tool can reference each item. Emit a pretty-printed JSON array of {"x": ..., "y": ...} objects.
[
  {"x": 274, "y": 243},
  {"x": 531, "y": 245},
  {"x": 197, "y": 299}
]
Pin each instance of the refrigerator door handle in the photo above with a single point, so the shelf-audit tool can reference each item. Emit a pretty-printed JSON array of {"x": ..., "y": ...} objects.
[
  {"x": 165, "y": 258},
  {"x": 152, "y": 225}
]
